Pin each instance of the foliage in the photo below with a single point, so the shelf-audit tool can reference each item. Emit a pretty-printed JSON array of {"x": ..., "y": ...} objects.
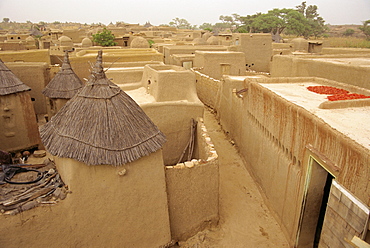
[
  {"x": 278, "y": 20},
  {"x": 6, "y": 20},
  {"x": 316, "y": 24},
  {"x": 181, "y": 24},
  {"x": 349, "y": 32},
  {"x": 206, "y": 26},
  {"x": 366, "y": 29},
  {"x": 104, "y": 38},
  {"x": 302, "y": 21},
  {"x": 151, "y": 42}
]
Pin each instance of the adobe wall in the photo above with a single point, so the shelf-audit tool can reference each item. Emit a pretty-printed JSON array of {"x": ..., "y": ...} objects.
[
  {"x": 81, "y": 62},
  {"x": 273, "y": 136},
  {"x": 35, "y": 75},
  {"x": 105, "y": 209},
  {"x": 257, "y": 49},
  {"x": 339, "y": 50},
  {"x": 228, "y": 105},
  {"x": 216, "y": 63},
  {"x": 174, "y": 120},
  {"x": 53, "y": 105},
  {"x": 208, "y": 89},
  {"x": 349, "y": 69},
  {"x": 169, "y": 83},
  {"x": 12, "y": 46},
  {"x": 169, "y": 50},
  {"x": 39, "y": 55},
  {"x": 193, "y": 190},
  {"x": 19, "y": 130}
]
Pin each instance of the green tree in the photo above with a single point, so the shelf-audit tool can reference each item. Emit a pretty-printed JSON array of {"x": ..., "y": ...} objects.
[
  {"x": 366, "y": 29},
  {"x": 278, "y": 21},
  {"x": 316, "y": 24},
  {"x": 6, "y": 20},
  {"x": 206, "y": 26},
  {"x": 349, "y": 32},
  {"x": 104, "y": 38},
  {"x": 181, "y": 24}
]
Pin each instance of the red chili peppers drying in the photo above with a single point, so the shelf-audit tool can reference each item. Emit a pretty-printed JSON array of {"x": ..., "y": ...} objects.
[
  {"x": 346, "y": 97},
  {"x": 335, "y": 93},
  {"x": 327, "y": 90}
]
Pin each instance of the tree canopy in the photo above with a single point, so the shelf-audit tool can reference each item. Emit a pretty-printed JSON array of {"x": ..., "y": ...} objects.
[
  {"x": 181, "y": 24},
  {"x": 302, "y": 21},
  {"x": 366, "y": 29},
  {"x": 104, "y": 38}
]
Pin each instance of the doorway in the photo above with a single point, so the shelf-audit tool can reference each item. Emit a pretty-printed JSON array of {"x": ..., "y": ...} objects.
[{"x": 316, "y": 195}]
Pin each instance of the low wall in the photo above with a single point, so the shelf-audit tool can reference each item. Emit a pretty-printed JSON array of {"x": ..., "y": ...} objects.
[
  {"x": 272, "y": 135},
  {"x": 349, "y": 69},
  {"x": 39, "y": 55},
  {"x": 192, "y": 190},
  {"x": 208, "y": 89},
  {"x": 174, "y": 120}
]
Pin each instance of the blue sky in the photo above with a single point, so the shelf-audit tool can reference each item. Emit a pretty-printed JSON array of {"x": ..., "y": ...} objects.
[{"x": 158, "y": 12}]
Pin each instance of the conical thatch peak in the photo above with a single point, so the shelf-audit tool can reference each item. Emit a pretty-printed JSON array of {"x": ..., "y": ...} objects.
[
  {"x": 65, "y": 84},
  {"x": 10, "y": 83},
  {"x": 101, "y": 125}
]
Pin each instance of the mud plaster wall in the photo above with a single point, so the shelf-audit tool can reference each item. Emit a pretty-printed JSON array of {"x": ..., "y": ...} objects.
[
  {"x": 187, "y": 49},
  {"x": 275, "y": 134},
  {"x": 228, "y": 105},
  {"x": 292, "y": 66},
  {"x": 35, "y": 75},
  {"x": 81, "y": 63},
  {"x": 207, "y": 88},
  {"x": 39, "y": 55},
  {"x": 174, "y": 120},
  {"x": 169, "y": 83},
  {"x": 126, "y": 78},
  {"x": 103, "y": 210},
  {"x": 54, "y": 105},
  {"x": 18, "y": 123},
  {"x": 216, "y": 64},
  {"x": 257, "y": 49},
  {"x": 272, "y": 134},
  {"x": 193, "y": 191}
]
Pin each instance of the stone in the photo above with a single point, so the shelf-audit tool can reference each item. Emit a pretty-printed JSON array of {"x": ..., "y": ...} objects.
[{"x": 39, "y": 153}]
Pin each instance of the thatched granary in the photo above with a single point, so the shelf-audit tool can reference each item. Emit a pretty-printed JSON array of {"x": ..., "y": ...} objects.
[
  {"x": 62, "y": 87},
  {"x": 18, "y": 122},
  {"x": 101, "y": 125}
]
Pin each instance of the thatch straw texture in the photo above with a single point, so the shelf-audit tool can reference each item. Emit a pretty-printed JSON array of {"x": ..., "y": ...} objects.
[
  {"x": 10, "y": 83},
  {"x": 65, "y": 83},
  {"x": 101, "y": 125}
]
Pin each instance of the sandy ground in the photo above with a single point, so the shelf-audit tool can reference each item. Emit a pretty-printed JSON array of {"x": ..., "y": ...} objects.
[{"x": 245, "y": 221}]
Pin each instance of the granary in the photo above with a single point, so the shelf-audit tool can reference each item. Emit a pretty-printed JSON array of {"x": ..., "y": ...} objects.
[
  {"x": 64, "y": 85},
  {"x": 308, "y": 152},
  {"x": 92, "y": 137},
  {"x": 18, "y": 119},
  {"x": 109, "y": 153}
]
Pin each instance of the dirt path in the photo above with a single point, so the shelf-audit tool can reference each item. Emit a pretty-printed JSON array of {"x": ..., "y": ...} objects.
[{"x": 245, "y": 221}]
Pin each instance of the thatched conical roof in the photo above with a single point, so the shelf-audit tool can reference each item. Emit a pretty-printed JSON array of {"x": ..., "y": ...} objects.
[
  {"x": 101, "y": 125},
  {"x": 10, "y": 83},
  {"x": 65, "y": 84}
]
